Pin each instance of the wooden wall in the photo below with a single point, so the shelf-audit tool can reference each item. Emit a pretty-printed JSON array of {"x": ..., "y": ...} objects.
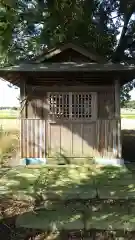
[
  {"x": 106, "y": 105},
  {"x": 41, "y": 137}
]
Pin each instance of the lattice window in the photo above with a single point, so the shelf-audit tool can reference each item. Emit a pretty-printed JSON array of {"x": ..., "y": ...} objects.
[
  {"x": 74, "y": 106},
  {"x": 59, "y": 105},
  {"x": 81, "y": 105}
]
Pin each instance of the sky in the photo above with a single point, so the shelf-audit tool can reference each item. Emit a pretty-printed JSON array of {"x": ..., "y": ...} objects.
[{"x": 8, "y": 96}]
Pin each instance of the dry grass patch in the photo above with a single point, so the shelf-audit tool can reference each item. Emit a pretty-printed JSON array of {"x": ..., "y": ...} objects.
[{"x": 9, "y": 144}]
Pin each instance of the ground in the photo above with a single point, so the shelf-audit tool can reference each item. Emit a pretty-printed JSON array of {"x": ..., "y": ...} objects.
[
  {"x": 68, "y": 198},
  {"x": 61, "y": 190}
]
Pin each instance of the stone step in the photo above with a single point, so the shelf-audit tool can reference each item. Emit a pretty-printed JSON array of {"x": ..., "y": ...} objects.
[{"x": 103, "y": 215}]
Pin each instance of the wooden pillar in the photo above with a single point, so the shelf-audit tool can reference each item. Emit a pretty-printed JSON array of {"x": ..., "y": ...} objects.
[
  {"x": 23, "y": 99},
  {"x": 118, "y": 117},
  {"x": 23, "y": 114},
  {"x": 117, "y": 99}
]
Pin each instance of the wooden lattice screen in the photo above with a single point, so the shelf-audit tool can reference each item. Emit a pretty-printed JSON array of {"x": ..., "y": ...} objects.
[{"x": 73, "y": 106}]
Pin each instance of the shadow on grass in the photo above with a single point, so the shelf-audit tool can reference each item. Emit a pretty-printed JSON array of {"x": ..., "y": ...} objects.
[
  {"x": 67, "y": 198},
  {"x": 128, "y": 148}
]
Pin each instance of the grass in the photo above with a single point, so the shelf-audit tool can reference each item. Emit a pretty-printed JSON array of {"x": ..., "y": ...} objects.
[
  {"x": 9, "y": 142},
  {"x": 9, "y": 114},
  {"x": 59, "y": 196},
  {"x": 67, "y": 182},
  {"x": 128, "y": 116},
  {"x": 52, "y": 188}
]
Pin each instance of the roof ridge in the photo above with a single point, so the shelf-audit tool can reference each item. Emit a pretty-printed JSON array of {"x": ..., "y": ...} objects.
[{"x": 58, "y": 49}]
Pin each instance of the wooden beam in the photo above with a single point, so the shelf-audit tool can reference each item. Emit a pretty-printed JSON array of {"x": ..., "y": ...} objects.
[
  {"x": 84, "y": 87},
  {"x": 22, "y": 115},
  {"x": 23, "y": 99},
  {"x": 117, "y": 116},
  {"x": 117, "y": 99}
]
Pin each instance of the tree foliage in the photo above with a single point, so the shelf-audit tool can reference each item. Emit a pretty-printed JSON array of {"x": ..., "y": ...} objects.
[
  {"x": 130, "y": 104},
  {"x": 107, "y": 26}
]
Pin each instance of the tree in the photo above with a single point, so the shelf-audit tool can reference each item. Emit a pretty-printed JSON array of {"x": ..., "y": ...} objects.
[
  {"x": 130, "y": 104},
  {"x": 28, "y": 26}
]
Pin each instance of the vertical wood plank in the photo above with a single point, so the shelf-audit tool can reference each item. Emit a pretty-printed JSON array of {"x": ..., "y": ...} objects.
[
  {"x": 106, "y": 104},
  {"x": 119, "y": 140},
  {"x": 88, "y": 139},
  {"x": 77, "y": 139},
  {"x": 29, "y": 135},
  {"x": 23, "y": 150},
  {"x": 97, "y": 135},
  {"x": 117, "y": 116},
  {"x": 23, "y": 96},
  {"x": 117, "y": 99},
  {"x": 33, "y": 138},
  {"x": 108, "y": 143},
  {"x": 54, "y": 139},
  {"x": 30, "y": 110},
  {"x": 94, "y": 108},
  {"x": 25, "y": 137},
  {"x": 66, "y": 139}
]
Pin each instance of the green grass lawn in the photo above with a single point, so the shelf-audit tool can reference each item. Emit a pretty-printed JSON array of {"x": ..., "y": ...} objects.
[
  {"x": 61, "y": 194},
  {"x": 128, "y": 116},
  {"x": 67, "y": 182},
  {"x": 9, "y": 114}
]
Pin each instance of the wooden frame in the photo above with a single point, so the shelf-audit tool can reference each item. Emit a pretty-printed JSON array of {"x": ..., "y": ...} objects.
[
  {"x": 59, "y": 49},
  {"x": 93, "y": 106},
  {"x": 117, "y": 99},
  {"x": 117, "y": 115}
]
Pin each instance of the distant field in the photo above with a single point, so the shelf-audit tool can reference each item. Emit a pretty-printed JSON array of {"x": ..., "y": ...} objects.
[
  {"x": 9, "y": 124},
  {"x": 9, "y": 119},
  {"x": 128, "y": 113},
  {"x": 128, "y": 116},
  {"x": 9, "y": 114},
  {"x": 13, "y": 114}
]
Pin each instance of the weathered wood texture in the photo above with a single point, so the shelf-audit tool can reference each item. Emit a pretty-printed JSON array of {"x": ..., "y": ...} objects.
[
  {"x": 71, "y": 139},
  {"x": 108, "y": 138},
  {"x": 69, "y": 55},
  {"x": 93, "y": 139},
  {"x": 37, "y": 106},
  {"x": 117, "y": 98},
  {"x": 106, "y": 105},
  {"x": 69, "y": 52},
  {"x": 33, "y": 138},
  {"x": 70, "y": 78},
  {"x": 23, "y": 96},
  {"x": 43, "y": 137}
]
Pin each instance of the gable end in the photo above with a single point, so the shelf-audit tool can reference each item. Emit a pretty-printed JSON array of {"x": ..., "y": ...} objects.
[{"x": 69, "y": 53}]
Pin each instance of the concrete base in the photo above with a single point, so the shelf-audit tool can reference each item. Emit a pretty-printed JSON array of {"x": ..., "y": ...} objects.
[
  {"x": 112, "y": 162},
  {"x": 101, "y": 161},
  {"x": 33, "y": 161}
]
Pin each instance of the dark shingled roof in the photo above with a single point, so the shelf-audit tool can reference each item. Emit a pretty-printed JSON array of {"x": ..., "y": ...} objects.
[{"x": 69, "y": 67}]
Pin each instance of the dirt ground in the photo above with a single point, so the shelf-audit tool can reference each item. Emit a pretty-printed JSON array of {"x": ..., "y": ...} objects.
[
  {"x": 128, "y": 124},
  {"x": 10, "y": 124}
]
